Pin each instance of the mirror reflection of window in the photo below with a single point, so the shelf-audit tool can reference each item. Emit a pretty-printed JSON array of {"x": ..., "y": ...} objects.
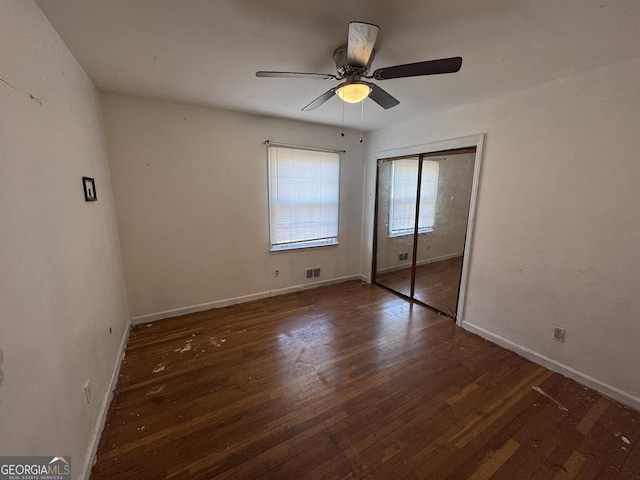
[{"x": 404, "y": 187}]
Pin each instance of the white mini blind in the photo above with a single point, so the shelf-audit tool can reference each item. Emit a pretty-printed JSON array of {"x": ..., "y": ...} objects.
[
  {"x": 404, "y": 186},
  {"x": 304, "y": 194}
]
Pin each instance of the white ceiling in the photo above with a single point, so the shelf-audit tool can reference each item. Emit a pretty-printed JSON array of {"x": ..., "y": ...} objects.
[{"x": 206, "y": 52}]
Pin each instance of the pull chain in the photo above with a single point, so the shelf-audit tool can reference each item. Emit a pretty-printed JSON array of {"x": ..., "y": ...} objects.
[
  {"x": 342, "y": 133},
  {"x": 361, "y": 118}
]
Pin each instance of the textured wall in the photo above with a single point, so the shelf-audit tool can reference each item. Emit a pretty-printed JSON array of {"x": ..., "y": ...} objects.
[
  {"x": 62, "y": 294},
  {"x": 557, "y": 221},
  {"x": 190, "y": 186}
]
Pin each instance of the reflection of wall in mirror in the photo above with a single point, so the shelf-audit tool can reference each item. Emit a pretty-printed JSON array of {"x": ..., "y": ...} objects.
[{"x": 455, "y": 180}]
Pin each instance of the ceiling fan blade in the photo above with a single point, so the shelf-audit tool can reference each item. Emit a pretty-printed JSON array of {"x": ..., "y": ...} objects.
[
  {"x": 362, "y": 37},
  {"x": 320, "y": 100},
  {"x": 430, "y": 67},
  {"x": 317, "y": 76},
  {"x": 381, "y": 97}
]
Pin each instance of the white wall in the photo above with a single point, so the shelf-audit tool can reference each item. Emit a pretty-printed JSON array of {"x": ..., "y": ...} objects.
[
  {"x": 61, "y": 279},
  {"x": 557, "y": 222},
  {"x": 190, "y": 186}
]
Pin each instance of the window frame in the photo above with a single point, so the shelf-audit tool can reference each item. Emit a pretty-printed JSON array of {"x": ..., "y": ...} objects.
[{"x": 306, "y": 243}]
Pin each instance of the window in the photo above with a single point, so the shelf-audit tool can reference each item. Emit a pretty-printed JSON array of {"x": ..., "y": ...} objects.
[
  {"x": 404, "y": 186},
  {"x": 304, "y": 190}
]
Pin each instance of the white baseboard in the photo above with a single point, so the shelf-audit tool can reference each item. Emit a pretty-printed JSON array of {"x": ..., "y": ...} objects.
[
  {"x": 104, "y": 408},
  {"x": 152, "y": 317},
  {"x": 604, "y": 388},
  {"x": 441, "y": 258}
]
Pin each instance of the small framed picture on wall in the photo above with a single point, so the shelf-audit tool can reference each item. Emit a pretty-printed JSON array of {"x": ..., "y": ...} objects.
[{"x": 89, "y": 189}]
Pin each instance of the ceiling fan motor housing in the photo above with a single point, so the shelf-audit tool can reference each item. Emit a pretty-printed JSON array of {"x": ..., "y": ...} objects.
[{"x": 342, "y": 64}]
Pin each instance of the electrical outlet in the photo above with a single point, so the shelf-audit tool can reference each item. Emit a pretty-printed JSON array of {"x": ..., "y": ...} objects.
[
  {"x": 558, "y": 334},
  {"x": 276, "y": 272},
  {"x": 87, "y": 391}
]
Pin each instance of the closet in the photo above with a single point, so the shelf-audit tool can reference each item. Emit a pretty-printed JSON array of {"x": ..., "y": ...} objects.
[{"x": 421, "y": 225}]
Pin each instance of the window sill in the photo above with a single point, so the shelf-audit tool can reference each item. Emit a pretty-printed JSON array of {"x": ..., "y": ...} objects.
[
  {"x": 305, "y": 247},
  {"x": 398, "y": 235}
]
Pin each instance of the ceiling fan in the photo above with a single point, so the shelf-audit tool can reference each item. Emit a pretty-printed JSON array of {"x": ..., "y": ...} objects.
[{"x": 353, "y": 62}]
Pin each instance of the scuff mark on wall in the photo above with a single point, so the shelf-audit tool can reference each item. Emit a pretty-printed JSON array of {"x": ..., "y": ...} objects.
[
  {"x": 3, "y": 79},
  {"x": 7, "y": 82}
]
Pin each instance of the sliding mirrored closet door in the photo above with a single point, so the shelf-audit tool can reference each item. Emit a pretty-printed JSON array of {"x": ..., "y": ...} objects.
[
  {"x": 395, "y": 219},
  {"x": 422, "y": 210}
]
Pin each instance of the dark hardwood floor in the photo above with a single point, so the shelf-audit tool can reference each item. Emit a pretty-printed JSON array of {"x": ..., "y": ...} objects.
[
  {"x": 350, "y": 381},
  {"x": 436, "y": 285}
]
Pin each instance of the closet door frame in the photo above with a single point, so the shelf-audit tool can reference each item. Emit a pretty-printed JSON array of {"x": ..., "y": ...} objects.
[{"x": 424, "y": 151}]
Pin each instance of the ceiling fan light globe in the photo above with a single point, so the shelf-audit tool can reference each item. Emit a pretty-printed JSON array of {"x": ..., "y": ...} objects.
[{"x": 353, "y": 92}]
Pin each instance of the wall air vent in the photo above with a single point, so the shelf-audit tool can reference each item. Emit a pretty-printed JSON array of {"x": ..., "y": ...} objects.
[{"x": 311, "y": 273}]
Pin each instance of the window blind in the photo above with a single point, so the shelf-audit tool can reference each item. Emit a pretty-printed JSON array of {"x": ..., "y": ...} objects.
[{"x": 304, "y": 196}]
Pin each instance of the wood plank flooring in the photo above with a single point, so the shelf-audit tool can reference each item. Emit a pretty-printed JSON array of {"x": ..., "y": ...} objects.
[
  {"x": 350, "y": 381},
  {"x": 437, "y": 283}
]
